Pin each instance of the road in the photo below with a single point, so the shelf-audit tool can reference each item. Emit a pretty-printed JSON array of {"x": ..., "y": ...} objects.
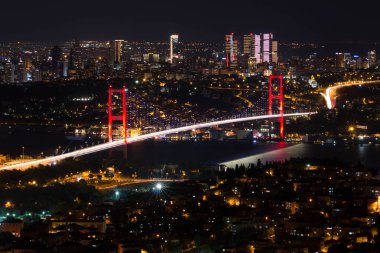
[
  {"x": 330, "y": 94},
  {"x": 249, "y": 103},
  {"x": 101, "y": 147}
]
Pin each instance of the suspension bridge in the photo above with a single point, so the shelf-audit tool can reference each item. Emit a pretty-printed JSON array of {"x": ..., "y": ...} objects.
[{"x": 275, "y": 95}]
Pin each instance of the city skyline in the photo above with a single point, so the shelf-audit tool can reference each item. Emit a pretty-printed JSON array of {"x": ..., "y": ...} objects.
[{"x": 204, "y": 21}]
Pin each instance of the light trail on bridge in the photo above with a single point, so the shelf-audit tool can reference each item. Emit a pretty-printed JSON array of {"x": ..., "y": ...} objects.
[
  {"x": 330, "y": 93},
  {"x": 118, "y": 143}
]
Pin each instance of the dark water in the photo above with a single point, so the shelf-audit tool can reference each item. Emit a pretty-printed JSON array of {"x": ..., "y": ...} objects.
[
  {"x": 352, "y": 154},
  {"x": 206, "y": 152},
  {"x": 35, "y": 142}
]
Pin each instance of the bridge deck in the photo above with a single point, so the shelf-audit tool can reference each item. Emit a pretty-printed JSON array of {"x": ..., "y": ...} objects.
[{"x": 110, "y": 145}]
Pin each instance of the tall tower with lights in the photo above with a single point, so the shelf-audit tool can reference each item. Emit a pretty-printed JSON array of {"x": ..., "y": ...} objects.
[
  {"x": 279, "y": 95},
  {"x": 123, "y": 117},
  {"x": 231, "y": 51},
  {"x": 174, "y": 40},
  {"x": 118, "y": 51}
]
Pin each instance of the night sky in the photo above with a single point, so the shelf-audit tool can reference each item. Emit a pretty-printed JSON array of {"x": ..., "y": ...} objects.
[{"x": 204, "y": 20}]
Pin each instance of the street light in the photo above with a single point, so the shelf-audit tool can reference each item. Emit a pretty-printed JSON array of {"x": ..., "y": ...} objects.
[
  {"x": 159, "y": 186},
  {"x": 23, "y": 153}
]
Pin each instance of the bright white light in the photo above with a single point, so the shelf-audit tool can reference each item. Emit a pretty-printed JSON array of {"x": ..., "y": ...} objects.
[{"x": 158, "y": 186}]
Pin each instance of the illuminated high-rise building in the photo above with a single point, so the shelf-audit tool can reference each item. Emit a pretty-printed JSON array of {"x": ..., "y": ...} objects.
[
  {"x": 258, "y": 48},
  {"x": 65, "y": 67},
  {"x": 356, "y": 62},
  {"x": 110, "y": 54},
  {"x": 21, "y": 73},
  {"x": 9, "y": 72},
  {"x": 118, "y": 51},
  {"x": 274, "y": 52},
  {"x": 267, "y": 47},
  {"x": 76, "y": 59},
  {"x": 339, "y": 60},
  {"x": 251, "y": 65},
  {"x": 36, "y": 75},
  {"x": 249, "y": 45},
  {"x": 28, "y": 60},
  {"x": 372, "y": 58},
  {"x": 231, "y": 51},
  {"x": 174, "y": 54}
]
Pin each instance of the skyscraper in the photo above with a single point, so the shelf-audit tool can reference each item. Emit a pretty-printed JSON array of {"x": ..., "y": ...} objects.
[
  {"x": 274, "y": 51},
  {"x": 251, "y": 65},
  {"x": 231, "y": 51},
  {"x": 65, "y": 67},
  {"x": 174, "y": 54},
  {"x": 28, "y": 60},
  {"x": 372, "y": 58},
  {"x": 339, "y": 60},
  {"x": 249, "y": 45},
  {"x": 9, "y": 72},
  {"x": 267, "y": 47},
  {"x": 36, "y": 75},
  {"x": 258, "y": 48},
  {"x": 118, "y": 51},
  {"x": 21, "y": 73},
  {"x": 76, "y": 59}
]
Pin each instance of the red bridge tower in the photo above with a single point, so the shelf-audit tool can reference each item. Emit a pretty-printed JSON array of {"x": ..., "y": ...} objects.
[
  {"x": 279, "y": 97},
  {"x": 112, "y": 118}
]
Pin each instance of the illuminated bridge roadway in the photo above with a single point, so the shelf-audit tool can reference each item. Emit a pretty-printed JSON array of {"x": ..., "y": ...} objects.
[
  {"x": 114, "y": 144},
  {"x": 330, "y": 93}
]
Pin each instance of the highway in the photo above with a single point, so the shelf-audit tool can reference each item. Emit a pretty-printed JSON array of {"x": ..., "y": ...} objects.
[
  {"x": 114, "y": 144},
  {"x": 249, "y": 103},
  {"x": 330, "y": 93}
]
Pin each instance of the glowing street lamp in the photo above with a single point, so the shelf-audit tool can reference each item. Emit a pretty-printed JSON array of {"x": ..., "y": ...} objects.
[
  {"x": 158, "y": 187},
  {"x": 8, "y": 204}
]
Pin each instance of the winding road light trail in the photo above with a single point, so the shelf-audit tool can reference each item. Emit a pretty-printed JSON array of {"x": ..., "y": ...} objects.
[
  {"x": 114, "y": 144},
  {"x": 330, "y": 93}
]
